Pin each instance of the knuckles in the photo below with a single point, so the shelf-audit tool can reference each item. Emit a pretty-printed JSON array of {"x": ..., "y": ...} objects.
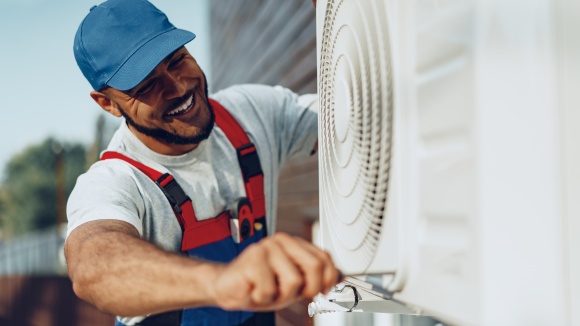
[
  {"x": 327, "y": 256},
  {"x": 318, "y": 272},
  {"x": 309, "y": 293},
  {"x": 317, "y": 266},
  {"x": 292, "y": 287},
  {"x": 281, "y": 237},
  {"x": 264, "y": 295},
  {"x": 294, "y": 282},
  {"x": 257, "y": 251}
]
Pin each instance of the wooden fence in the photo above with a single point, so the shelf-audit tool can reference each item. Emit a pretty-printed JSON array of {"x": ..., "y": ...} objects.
[{"x": 45, "y": 301}]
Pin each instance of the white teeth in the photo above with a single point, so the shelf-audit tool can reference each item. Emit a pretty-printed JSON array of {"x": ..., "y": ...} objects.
[{"x": 186, "y": 105}]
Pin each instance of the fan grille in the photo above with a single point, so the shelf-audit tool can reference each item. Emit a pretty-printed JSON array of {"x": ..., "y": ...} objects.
[{"x": 356, "y": 105}]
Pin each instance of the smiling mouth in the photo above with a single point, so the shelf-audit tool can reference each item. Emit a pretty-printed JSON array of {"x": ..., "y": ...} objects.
[{"x": 182, "y": 109}]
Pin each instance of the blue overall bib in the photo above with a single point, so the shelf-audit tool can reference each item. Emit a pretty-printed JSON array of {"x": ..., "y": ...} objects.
[{"x": 220, "y": 239}]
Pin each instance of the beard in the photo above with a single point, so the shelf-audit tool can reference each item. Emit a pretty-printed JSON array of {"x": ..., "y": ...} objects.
[{"x": 171, "y": 138}]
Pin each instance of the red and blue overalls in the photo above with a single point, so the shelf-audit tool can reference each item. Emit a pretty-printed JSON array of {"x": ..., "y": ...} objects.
[{"x": 219, "y": 239}]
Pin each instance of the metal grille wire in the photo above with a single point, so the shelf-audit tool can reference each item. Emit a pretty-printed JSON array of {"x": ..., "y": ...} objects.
[{"x": 356, "y": 107}]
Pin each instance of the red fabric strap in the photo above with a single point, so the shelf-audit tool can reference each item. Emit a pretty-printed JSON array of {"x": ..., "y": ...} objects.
[
  {"x": 187, "y": 214},
  {"x": 151, "y": 173},
  {"x": 229, "y": 125},
  {"x": 198, "y": 233},
  {"x": 205, "y": 232},
  {"x": 239, "y": 138}
]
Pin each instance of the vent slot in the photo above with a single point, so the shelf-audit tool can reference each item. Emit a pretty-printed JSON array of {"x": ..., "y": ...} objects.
[{"x": 355, "y": 123}]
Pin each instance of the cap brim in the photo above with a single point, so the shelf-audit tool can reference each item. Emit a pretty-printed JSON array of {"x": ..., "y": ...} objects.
[{"x": 144, "y": 60}]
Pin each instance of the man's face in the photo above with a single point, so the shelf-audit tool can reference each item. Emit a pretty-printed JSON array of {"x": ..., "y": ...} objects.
[{"x": 171, "y": 105}]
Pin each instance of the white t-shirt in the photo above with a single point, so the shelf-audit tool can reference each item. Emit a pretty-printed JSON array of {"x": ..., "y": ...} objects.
[{"x": 280, "y": 123}]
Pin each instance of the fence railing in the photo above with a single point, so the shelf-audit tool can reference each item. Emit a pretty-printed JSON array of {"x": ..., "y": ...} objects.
[
  {"x": 34, "y": 288},
  {"x": 38, "y": 253}
]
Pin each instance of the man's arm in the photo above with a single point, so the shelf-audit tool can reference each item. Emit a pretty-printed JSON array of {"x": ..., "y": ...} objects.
[
  {"x": 118, "y": 272},
  {"x": 112, "y": 268}
]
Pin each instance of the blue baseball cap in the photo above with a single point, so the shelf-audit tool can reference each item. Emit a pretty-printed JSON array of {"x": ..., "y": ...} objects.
[{"x": 120, "y": 42}]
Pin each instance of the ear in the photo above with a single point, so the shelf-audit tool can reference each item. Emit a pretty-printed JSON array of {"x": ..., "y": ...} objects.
[{"x": 105, "y": 102}]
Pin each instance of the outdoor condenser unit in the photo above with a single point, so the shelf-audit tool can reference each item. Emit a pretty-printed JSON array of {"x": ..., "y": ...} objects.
[{"x": 448, "y": 156}]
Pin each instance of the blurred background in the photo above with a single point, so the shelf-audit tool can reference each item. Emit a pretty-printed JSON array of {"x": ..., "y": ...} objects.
[{"x": 52, "y": 131}]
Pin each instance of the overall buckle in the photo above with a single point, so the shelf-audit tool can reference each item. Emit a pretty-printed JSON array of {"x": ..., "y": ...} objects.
[
  {"x": 172, "y": 190},
  {"x": 249, "y": 161},
  {"x": 241, "y": 220}
]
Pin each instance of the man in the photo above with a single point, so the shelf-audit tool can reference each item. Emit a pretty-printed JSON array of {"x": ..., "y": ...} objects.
[{"x": 174, "y": 184}]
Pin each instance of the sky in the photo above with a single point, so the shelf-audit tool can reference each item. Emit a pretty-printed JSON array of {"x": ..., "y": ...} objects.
[{"x": 42, "y": 91}]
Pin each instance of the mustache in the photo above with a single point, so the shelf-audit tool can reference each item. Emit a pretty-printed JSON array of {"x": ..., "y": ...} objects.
[{"x": 178, "y": 102}]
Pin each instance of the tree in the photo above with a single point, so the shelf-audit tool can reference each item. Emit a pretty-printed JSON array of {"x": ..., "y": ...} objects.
[{"x": 29, "y": 195}]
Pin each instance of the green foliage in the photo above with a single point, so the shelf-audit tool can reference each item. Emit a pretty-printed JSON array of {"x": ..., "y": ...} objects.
[{"x": 28, "y": 194}]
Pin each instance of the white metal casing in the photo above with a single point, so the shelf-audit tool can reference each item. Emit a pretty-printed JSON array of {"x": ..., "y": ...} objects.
[{"x": 474, "y": 226}]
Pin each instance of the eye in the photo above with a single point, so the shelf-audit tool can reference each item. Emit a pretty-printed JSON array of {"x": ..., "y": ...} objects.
[
  {"x": 177, "y": 61},
  {"x": 146, "y": 88}
]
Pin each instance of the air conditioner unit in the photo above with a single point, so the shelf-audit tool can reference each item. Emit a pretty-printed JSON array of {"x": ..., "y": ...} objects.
[{"x": 446, "y": 160}]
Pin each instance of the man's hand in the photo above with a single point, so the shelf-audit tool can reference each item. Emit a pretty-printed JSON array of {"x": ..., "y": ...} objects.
[
  {"x": 117, "y": 271},
  {"x": 272, "y": 274}
]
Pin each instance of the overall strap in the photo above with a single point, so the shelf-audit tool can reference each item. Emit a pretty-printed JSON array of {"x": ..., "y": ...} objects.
[
  {"x": 218, "y": 228},
  {"x": 181, "y": 204},
  {"x": 247, "y": 158},
  {"x": 179, "y": 201}
]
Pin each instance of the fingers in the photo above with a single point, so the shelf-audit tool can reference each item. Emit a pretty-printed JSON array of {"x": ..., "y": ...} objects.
[
  {"x": 331, "y": 275},
  {"x": 264, "y": 290},
  {"x": 277, "y": 281},
  {"x": 247, "y": 283},
  {"x": 316, "y": 265},
  {"x": 308, "y": 263},
  {"x": 274, "y": 273},
  {"x": 289, "y": 277},
  {"x": 265, "y": 275}
]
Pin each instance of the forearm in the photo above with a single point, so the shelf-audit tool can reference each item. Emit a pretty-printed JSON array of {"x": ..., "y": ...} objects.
[{"x": 124, "y": 275}]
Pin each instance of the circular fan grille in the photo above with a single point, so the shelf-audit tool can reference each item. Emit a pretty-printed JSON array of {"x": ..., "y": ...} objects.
[{"x": 356, "y": 105}]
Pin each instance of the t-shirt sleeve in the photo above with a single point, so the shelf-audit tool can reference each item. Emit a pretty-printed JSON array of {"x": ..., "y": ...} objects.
[
  {"x": 297, "y": 122},
  {"x": 107, "y": 191},
  {"x": 283, "y": 117}
]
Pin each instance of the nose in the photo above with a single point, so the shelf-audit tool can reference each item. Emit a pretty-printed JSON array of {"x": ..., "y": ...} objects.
[{"x": 173, "y": 85}]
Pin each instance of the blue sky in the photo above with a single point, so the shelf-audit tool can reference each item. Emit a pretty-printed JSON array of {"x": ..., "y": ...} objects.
[{"x": 42, "y": 91}]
